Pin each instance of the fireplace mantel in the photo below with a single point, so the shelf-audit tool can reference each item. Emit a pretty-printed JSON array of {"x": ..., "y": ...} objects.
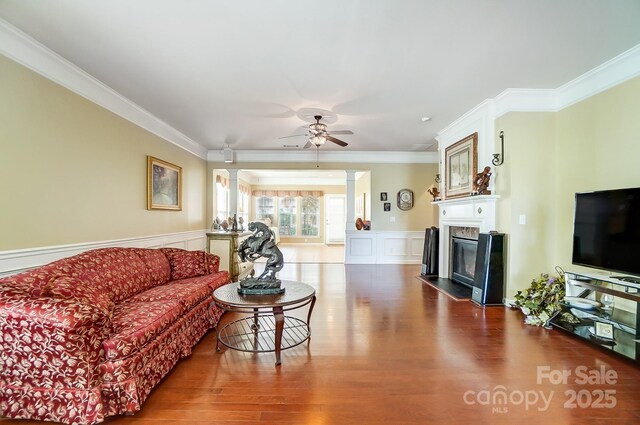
[
  {"x": 471, "y": 211},
  {"x": 467, "y": 200}
]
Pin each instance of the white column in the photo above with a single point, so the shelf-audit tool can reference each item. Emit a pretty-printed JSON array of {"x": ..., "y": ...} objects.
[
  {"x": 351, "y": 199},
  {"x": 233, "y": 191}
]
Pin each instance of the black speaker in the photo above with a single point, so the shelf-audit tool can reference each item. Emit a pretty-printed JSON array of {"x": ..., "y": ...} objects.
[
  {"x": 488, "y": 279},
  {"x": 430, "y": 252}
]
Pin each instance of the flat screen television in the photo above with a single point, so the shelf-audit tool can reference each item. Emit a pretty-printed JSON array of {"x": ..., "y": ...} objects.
[{"x": 606, "y": 230}]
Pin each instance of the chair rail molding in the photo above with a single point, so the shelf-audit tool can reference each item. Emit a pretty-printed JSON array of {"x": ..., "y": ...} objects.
[{"x": 16, "y": 261}]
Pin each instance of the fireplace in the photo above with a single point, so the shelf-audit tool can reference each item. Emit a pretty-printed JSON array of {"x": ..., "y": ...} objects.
[
  {"x": 463, "y": 218},
  {"x": 463, "y": 246},
  {"x": 463, "y": 260}
]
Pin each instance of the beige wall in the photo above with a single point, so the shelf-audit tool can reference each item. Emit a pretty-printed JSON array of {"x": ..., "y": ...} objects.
[
  {"x": 598, "y": 148},
  {"x": 525, "y": 183},
  {"x": 388, "y": 178},
  {"x": 363, "y": 187},
  {"x": 591, "y": 145},
  {"x": 71, "y": 171}
]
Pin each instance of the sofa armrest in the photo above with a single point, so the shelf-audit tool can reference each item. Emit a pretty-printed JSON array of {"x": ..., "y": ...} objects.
[{"x": 50, "y": 343}]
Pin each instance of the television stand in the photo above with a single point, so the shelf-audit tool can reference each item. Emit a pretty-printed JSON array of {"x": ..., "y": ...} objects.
[
  {"x": 631, "y": 279},
  {"x": 613, "y": 327}
]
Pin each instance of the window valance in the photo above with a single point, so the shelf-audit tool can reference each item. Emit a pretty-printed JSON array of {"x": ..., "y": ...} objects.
[
  {"x": 290, "y": 193},
  {"x": 244, "y": 189},
  {"x": 223, "y": 181}
]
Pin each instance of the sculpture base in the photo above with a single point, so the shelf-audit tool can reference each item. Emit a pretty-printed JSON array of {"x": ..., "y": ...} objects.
[
  {"x": 256, "y": 291},
  {"x": 254, "y": 286}
]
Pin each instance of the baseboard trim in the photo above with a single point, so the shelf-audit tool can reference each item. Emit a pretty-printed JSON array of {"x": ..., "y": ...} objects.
[{"x": 16, "y": 261}]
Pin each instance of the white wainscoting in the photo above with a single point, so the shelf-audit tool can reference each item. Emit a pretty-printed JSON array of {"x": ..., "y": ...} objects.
[
  {"x": 379, "y": 247},
  {"x": 12, "y": 262}
]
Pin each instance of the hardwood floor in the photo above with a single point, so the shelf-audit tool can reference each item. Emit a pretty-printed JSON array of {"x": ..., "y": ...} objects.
[
  {"x": 312, "y": 253},
  {"x": 388, "y": 349}
]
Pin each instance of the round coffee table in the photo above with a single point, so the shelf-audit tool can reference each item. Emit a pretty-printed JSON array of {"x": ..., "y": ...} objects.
[{"x": 267, "y": 329}]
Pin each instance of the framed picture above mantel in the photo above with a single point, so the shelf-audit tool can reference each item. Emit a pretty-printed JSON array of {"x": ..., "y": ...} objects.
[{"x": 461, "y": 163}]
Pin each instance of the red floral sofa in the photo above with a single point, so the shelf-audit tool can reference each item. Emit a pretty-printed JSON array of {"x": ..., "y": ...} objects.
[{"x": 89, "y": 336}]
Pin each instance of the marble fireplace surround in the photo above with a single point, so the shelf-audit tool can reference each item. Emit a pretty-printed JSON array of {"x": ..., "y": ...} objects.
[{"x": 472, "y": 211}]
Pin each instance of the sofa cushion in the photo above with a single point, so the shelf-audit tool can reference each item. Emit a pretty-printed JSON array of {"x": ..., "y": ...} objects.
[
  {"x": 70, "y": 288},
  {"x": 189, "y": 292},
  {"x": 137, "y": 323},
  {"x": 157, "y": 265},
  {"x": 185, "y": 264}
]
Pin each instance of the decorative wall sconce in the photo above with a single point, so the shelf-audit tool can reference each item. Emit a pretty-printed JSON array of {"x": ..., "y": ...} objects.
[
  {"x": 498, "y": 158},
  {"x": 438, "y": 178}
]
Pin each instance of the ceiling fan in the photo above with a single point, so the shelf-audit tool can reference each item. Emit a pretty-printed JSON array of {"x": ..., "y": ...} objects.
[{"x": 318, "y": 134}]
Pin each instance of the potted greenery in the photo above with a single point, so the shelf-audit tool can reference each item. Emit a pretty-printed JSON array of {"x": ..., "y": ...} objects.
[{"x": 541, "y": 300}]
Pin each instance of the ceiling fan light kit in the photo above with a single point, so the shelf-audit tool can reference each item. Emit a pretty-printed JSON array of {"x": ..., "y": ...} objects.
[
  {"x": 318, "y": 140},
  {"x": 318, "y": 128},
  {"x": 318, "y": 134}
]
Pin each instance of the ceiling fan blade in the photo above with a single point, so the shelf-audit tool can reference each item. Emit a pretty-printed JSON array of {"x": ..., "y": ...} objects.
[
  {"x": 341, "y": 132},
  {"x": 308, "y": 145},
  {"x": 336, "y": 141},
  {"x": 293, "y": 135}
]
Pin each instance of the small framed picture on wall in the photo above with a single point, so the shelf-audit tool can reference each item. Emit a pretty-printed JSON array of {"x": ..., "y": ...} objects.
[
  {"x": 387, "y": 206},
  {"x": 383, "y": 196}
]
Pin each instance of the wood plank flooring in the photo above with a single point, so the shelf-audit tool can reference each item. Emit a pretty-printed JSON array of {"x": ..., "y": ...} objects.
[
  {"x": 389, "y": 349},
  {"x": 311, "y": 253}
]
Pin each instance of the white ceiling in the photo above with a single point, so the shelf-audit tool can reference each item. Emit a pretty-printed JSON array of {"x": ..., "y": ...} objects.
[{"x": 241, "y": 72}]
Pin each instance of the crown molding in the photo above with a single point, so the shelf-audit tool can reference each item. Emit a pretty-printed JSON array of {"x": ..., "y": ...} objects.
[
  {"x": 611, "y": 73},
  {"x": 311, "y": 156},
  {"x": 621, "y": 68},
  {"x": 28, "y": 52}
]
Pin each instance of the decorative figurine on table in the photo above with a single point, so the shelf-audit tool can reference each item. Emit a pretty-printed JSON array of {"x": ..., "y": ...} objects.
[
  {"x": 481, "y": 182},
  {"x": 234, "y": 224},
  {"x": 435, "y": 193},
  {"x": 216, "y": 224},
  {"x": 241, "y": 223},
  {"x": 261, "y": 244}
]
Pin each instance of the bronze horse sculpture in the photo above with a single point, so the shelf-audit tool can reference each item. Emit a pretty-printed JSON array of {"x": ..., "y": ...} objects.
[{"x": 261, "y": 244}]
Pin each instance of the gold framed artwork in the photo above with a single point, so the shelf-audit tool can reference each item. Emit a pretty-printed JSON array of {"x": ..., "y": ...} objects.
[
  {"x": 164, "y": 185},
  {"x": 461, "y": 163}
]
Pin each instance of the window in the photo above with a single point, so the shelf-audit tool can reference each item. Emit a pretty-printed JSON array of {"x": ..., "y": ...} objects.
[
  {"x": 287, "y": 216},
  {"x": 310, "y": 216},
  {"x": 265, "y": 208},
  {"x": 294, "y": 213},
  {"x": 222, "y": 201}
]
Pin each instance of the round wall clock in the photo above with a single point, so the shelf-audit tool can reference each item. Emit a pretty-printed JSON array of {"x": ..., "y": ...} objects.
[{"x": 405, "y": 199}]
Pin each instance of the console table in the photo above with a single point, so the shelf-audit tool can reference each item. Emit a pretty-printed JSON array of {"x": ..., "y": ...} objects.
[
  {"x": 225, "y": 245},
  {"x": 267, "y": 329},
  {"x": 619, "y": 326}
]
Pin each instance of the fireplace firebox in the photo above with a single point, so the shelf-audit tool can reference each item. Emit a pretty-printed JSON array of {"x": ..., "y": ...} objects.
[{"x": 463, "y": 264}]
